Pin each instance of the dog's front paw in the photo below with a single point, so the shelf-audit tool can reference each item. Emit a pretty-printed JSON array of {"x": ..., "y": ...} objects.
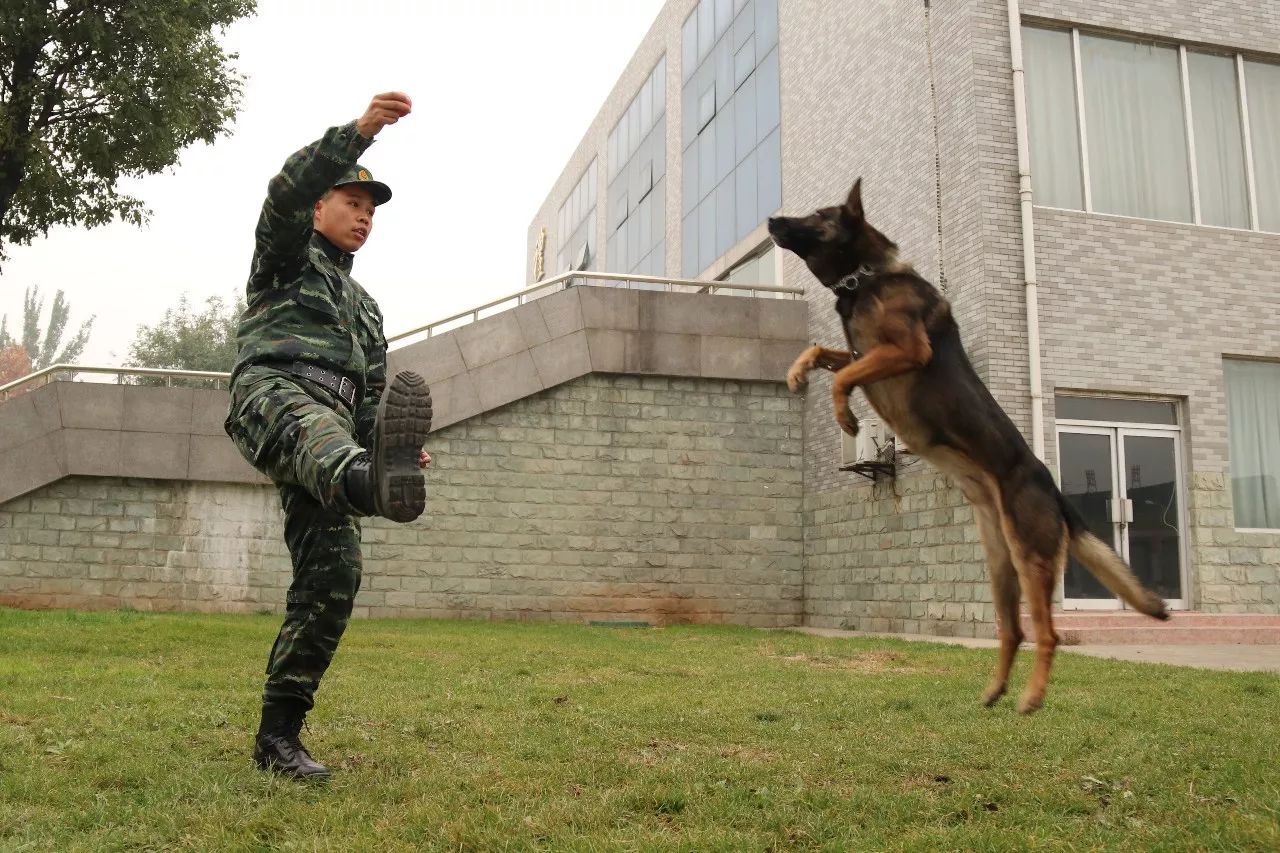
[
  {"x": 797, "y": 379},
  {"x": 847, "y": 421}
]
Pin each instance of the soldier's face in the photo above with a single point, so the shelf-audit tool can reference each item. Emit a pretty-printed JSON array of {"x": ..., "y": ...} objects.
[{"x": 345, "y": 216}]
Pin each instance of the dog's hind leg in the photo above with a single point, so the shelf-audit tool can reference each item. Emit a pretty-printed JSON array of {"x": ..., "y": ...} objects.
[
  {"x": 1036, "y": 534},
  {"x": 1006, "y": 595},
  {"x": 1039, "y": 577}
]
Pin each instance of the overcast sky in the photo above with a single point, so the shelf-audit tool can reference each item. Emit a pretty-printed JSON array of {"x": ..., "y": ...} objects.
[{"x": 503, "y": 91}]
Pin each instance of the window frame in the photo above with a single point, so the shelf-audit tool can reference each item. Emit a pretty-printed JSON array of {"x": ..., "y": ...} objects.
[
  {"x": 1240, "y": 58},
  {"x": 1230, "y": 470}
]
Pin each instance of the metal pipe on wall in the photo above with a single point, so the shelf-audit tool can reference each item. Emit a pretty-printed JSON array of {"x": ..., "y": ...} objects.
[{"x": 1031, "y": 288}]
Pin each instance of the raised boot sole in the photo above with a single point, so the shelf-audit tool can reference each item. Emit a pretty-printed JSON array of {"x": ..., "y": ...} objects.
[{"x": 404, "y": 421}]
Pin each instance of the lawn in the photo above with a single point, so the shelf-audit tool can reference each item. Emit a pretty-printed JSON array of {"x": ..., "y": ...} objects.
[{"x": 127, "y": 731}]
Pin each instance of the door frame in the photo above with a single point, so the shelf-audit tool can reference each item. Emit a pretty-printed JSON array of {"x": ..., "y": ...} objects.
[{"x": 1117, "y": 430}]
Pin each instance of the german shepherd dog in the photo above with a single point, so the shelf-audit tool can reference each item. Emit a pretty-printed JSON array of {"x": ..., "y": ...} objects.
[{"x": 905, "y": 353}]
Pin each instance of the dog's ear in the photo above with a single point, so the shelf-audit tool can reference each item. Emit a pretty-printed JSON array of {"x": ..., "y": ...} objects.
[{"x": 853, "y": 204}]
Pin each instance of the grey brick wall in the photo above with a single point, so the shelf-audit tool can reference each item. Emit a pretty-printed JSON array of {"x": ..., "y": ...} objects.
[
  {"x": 858, "y": 99},
  {"x": 1126, "y": 305},
  {"x": 899, "y": 556},
  {"x": 1226, "y": 23},
  {"x": 610, "y": 497}
]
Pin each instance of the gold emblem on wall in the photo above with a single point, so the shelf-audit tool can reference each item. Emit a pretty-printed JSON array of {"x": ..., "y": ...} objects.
[{"x": 539, "y": 252}]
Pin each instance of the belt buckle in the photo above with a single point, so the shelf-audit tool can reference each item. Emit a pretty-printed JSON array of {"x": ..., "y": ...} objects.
[{"x": 347, "y": 391}]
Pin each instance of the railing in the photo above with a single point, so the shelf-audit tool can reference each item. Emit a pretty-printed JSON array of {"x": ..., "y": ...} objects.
[
  {"x": 63, "y": 372},
  {"x": 595, "y": 279}
]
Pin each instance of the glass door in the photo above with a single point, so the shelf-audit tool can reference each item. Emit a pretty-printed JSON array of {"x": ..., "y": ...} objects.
[
  {"x": 1153, "y": 542},
  {"x": 1087, "y": 458},
  {"x": 1126, "y": 482}
]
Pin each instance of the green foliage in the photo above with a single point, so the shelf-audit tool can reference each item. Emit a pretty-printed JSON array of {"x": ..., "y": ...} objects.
[
  {"x": 189, "y": 340},
  {"x": 95, "y": 90},
  {"x": 43, "y": 349}
]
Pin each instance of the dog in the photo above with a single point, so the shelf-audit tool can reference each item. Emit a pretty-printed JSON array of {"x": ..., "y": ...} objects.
[{"x": 906, "y": 355}]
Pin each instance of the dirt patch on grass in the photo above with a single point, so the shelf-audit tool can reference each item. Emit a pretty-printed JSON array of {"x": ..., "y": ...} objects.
[
  {"x": 877, "y": 661},
  {"x": 656, "y": 751},
  {"x": 748, "y": 754}
]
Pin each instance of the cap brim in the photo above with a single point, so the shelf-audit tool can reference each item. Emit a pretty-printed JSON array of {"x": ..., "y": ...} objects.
[{"x": 381, "y": 192}]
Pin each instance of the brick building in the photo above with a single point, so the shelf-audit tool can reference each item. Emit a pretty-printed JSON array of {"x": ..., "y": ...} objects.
[{"x": 1135, "y": 338}]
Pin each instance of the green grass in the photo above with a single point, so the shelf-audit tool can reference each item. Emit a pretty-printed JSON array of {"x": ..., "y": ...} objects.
[{"x": 131, "y": 731}]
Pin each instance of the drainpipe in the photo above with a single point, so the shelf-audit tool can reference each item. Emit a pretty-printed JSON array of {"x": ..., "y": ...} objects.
[{"x": 1028, "y": 228}]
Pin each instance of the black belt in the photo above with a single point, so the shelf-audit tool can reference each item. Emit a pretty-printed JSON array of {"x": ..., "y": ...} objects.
[{"x": 340, "y": 384}]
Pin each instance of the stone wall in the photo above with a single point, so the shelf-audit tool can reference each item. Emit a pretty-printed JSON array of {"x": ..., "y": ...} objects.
[{"x": 610, "y": 497}]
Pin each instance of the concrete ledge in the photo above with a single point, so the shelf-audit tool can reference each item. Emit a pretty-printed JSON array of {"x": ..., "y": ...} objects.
[
  {"x": 557, "y": 338},
  {"x": 96, "y": 429}
]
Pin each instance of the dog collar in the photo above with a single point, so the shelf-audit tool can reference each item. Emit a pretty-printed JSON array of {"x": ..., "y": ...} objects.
[{"x": 854, "y": 280}]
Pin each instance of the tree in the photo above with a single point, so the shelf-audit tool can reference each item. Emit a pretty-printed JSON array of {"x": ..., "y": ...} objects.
[
  {"x": 95, "y": 90},
  {"x": 14, "y": 363},
  {"x": 46, "y": 353},
  {"x": 186, "y": 340}
]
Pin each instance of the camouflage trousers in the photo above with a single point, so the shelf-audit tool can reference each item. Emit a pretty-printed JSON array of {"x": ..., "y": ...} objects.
[{"x": 302, "y": 437}]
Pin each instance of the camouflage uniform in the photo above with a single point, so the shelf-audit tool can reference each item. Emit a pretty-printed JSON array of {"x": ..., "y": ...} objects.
[{"x": 303, "y": 306}]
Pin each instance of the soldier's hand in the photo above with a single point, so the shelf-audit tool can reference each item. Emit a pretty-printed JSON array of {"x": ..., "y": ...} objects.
[
  {"x": 424, "y": 459},
  {"x": 387, "y": 108}
]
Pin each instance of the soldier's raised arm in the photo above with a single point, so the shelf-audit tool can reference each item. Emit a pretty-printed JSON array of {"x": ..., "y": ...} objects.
[{"x": 284, "y": 226}]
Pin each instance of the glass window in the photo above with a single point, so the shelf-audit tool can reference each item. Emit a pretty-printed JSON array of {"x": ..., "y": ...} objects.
[
  {"x": 744, "y": 29},
  {"x": 724, "y": 15},
  {"x": 706, "y": 161},
  {"x": 731, "y": 105},
  {"x": 725, "y": 232},
  {"x": 769, "y": 163},
  {"x": 658, "y": 146},
  {"x": 689, "y": 245},
  {"x": 644, "y": 232},
  {"x": 744, "y": 118},
  {"x": 1138, "y": 156},
  {"x": 1262, "y": 84},
  {"x": 646, "y": 106},
  {"x": 1136, "y": 129},
  {"x": 1116, "y": 410},
  {"x": 574, "y": 217},
  {"x": 689, "y": 46},
  {"x": 725, "y": 161},
  {"x": 744, "y": 62},
  {"x": 1216, "y": 123},
  {"x": 660, "y": 87},
  {"x": 1051, "y": 114},
  {"x": 706, "y": 27},
  {"x": 745, "y": 192},
  {"x": 706, "y": 107},
  {"x": 689, "y": 182},
  {"x": 767, "y": 96},
  {"x": 766, "y": 25},
  {"x": 1253, "y": 411},
  {"x": 706, "y": 234},
  {"x": 658, "y": 206},
  {"x": 724, "y": 73}
]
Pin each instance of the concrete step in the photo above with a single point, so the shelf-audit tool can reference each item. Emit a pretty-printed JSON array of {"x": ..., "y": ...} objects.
[
  {"x": 1170, "y": 636},
  {"x": 1182, "y": 628}
]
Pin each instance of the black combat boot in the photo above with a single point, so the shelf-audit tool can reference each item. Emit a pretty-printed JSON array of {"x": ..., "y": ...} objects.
[
  {"x": 387, "y": 481},
  {"x": 277, "y": 747}
]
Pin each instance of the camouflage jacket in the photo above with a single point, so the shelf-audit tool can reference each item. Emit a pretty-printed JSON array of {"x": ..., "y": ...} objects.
[{"x": 303, "y": 304}]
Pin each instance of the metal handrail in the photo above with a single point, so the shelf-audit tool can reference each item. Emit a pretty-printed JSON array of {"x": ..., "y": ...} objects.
[
  {"x": 588, "y": 277},
  {"x": 520, "y": 297},
  {"x": 49, "y": 374}
]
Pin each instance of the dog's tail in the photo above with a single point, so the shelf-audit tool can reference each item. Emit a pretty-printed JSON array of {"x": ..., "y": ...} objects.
[{"x": 1105, "y": 565}]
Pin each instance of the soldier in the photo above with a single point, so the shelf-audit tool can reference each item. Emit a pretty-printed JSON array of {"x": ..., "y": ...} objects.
[{"x": 311, "y": 409}]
